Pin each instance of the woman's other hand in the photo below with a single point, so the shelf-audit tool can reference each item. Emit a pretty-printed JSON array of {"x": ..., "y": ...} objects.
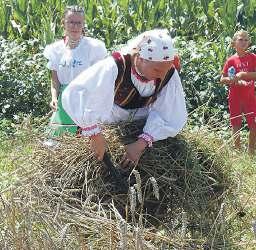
[{"x": 133, "y": 152}]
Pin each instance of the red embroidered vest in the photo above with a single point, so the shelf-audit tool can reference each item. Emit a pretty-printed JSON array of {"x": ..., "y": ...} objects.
[{"x": 126, "y": 94}]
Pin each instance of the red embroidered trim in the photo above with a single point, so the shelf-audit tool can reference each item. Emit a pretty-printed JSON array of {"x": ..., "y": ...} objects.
[
  {"x": 89, "y": 128},
  {"x": 138, "y": 76},
  {"x": 90, "y": 131},
  {"x": 116, "y": 55},
  {"x": 148, "y": 138}
]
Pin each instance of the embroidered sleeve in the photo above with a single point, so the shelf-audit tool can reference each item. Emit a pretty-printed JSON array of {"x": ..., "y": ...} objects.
[
  {"x": 90, "y": 131},
  {"x": 89, "y": 98},
  {"x": 168, "y": 113},
  {"x": 147, "y": 138},
  {"x": 100, "y": 52}
]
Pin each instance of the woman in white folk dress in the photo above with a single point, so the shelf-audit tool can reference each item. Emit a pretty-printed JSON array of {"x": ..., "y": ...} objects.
[{"x": 138, "y": 82}]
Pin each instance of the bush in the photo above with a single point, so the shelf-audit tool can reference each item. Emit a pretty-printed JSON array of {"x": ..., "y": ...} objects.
[
  {"x": 25, "y": 89},
  {"x": 23, "y": 79},
  {"x": 202, "y": 63}
]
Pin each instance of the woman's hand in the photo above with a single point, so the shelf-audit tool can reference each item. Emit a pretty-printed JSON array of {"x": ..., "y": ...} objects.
[
  {"x": 98, "y": 145},
  {"x": 54, "y": 104},
  {"x": 133, "y": 152}
]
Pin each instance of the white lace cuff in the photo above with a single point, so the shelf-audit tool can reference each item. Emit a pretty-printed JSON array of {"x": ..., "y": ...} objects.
[
  {"x": 90, "y": 131},
  {"x": 148, "y": 138}
]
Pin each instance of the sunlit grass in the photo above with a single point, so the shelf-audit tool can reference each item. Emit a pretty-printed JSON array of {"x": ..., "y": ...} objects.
[{"x": 231, "y": 229}]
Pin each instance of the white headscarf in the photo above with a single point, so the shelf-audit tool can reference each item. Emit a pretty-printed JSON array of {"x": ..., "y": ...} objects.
[{"x": 153, "y": 45}]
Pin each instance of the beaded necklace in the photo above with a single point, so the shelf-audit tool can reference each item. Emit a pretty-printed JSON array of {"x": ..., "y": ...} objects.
[{"x": 72, "y": 44}]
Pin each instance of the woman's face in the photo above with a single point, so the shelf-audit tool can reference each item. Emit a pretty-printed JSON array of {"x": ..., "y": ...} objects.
[
  {"x": 73, "y": 25},
  {"x": 152, "y": 69}
]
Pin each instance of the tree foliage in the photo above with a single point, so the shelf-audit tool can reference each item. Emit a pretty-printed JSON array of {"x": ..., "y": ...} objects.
[{"x": 115, "y": 21}]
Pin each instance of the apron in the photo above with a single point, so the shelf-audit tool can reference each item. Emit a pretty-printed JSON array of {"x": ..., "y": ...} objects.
[{"x": 60, "y": 122}]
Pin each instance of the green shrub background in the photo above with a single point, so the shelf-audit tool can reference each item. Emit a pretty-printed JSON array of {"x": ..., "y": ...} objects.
[
  {"x": 24, "y": 81},
  {"x": 201, "y": 30}
]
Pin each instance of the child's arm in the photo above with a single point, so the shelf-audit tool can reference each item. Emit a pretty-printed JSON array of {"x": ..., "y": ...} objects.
[
  {"x": 55, "y": 87},
  {"x": 247, "y": 76},
  {"x": 225, "y": 80},
  {"x": 236, "y": 80}
]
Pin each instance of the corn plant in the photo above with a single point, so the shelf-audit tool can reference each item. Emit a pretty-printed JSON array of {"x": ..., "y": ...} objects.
[{"x": 115, "y": 21}]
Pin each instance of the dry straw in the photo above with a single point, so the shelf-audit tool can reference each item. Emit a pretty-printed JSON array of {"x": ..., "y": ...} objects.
[{"x": 66, "y": 198}]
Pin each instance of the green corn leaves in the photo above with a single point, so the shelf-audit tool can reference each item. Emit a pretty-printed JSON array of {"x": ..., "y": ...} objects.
[{"x": 115, "y": 21}]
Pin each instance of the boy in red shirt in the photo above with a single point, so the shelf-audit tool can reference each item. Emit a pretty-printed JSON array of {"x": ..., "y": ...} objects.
[{"x": 239, "y": 73}]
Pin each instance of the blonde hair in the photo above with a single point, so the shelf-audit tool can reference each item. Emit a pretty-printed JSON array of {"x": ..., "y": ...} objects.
[
  {"x": 74, "y": 9},
  {"x": 240, "y": 33}
]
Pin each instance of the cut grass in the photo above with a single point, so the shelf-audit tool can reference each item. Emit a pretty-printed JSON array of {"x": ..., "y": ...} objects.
[{"x": 61, "y": 197}]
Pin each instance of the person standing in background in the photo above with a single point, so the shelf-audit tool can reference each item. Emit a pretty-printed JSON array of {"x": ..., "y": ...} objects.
[
  {"x": 239, "y": 74},
  {"x": 67, "y": 58}
]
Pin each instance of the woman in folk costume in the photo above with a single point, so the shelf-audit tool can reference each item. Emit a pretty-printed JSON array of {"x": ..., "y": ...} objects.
[
  {"x": 140, "y": 81},
  {"x": 68, "y": 58}
]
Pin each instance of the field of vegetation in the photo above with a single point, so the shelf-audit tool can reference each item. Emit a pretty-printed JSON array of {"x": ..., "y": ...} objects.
[{"x": 52, "y": 202}]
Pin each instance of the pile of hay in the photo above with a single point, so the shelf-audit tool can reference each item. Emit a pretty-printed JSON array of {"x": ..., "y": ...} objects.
[{"x": 66, "y": 198}]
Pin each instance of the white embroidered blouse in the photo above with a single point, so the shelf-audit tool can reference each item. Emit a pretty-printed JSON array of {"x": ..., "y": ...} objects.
[
  {"x": 69, "y": 63},
  {"x": 89, "y": 100}
]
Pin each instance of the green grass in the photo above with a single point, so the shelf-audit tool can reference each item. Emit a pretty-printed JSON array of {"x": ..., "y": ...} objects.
[{"x": 15, "y": 146}]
